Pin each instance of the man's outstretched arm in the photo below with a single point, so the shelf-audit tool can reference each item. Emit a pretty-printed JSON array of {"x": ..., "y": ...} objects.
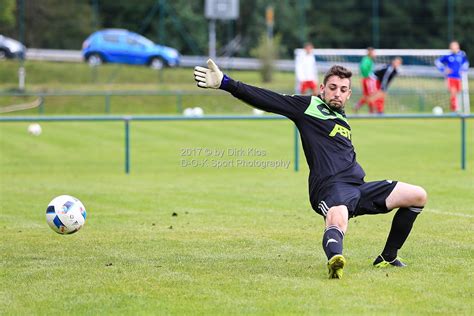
[{"x": 289, "y": 106}]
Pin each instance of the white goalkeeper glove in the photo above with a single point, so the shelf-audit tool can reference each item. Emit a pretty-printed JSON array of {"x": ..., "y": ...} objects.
[{"x": 208, "y": 77}]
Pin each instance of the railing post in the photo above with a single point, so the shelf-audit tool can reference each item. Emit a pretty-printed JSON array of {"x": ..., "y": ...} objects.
[
  {"x": 41, "y": 106},
  {"x": 127, "y": 145},
  {"x": 463, "y": 142},
  {"x": 297, "y": 150}
]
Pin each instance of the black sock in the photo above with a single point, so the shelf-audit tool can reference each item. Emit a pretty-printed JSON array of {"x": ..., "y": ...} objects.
[
  {"x": 332, "y": 241},
  {"x": 401, "y": 227}
]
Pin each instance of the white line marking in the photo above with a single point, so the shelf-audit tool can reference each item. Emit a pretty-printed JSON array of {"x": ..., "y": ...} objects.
[{"x": 449, "y": 213}]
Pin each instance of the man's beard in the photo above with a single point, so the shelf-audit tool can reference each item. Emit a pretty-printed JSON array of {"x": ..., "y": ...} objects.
[{"x": 334, "y": 105}]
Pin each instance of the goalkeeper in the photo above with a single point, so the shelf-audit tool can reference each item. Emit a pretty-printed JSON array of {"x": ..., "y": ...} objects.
[{"x": 337, "y": 189}]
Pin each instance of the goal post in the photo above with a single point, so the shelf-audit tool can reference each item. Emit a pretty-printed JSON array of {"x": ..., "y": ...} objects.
[{"x": 419, "y": 86}]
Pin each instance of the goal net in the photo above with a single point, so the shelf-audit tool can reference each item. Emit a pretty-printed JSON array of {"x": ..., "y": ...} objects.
[{"x": 418, "y": 87}]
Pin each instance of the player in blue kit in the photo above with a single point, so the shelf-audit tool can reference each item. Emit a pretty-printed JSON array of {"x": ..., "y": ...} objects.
[
  {"x": 453, "y": 65},
  {"x": 337, "y": 189}
]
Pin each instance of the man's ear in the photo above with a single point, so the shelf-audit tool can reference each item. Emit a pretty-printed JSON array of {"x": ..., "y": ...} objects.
[{"x": 350, "y": 93}]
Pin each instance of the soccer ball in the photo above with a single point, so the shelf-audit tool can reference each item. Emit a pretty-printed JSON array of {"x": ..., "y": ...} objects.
[
  {"x": 437, "y": 110},
  {"x": 197, "y": 111},
  {"x": 193, "y": 112},
  {"x": 65, "y": 214},
  {"x": 34, "y": 129},
  {"x": 188, "y": 112},
  {"x": 257, "y": 112}
]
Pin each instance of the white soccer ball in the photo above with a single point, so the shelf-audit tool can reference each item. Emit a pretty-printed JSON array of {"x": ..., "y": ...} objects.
[
  {"x": 34, "y": 129},
  {"x": 65, "y": 214},
  {"x": 188, "y": 112},
  {"x": 437, "y": 110},
  {"x": 198, "y": 111},
  {"x": 257, "y": 112}
]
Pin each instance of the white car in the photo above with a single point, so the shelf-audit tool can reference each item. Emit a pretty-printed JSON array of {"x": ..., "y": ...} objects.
[{"x": 10, "y": 48}]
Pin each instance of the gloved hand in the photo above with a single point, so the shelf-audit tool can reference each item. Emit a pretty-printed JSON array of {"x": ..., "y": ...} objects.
[{"x": 208, "y": 77}]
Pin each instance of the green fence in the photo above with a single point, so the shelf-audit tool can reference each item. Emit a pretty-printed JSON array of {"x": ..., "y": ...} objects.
[
  {"x": 127, "y": 120},
  {"x": 178, "y": 95},
  {"x": 174, "y": 101}
]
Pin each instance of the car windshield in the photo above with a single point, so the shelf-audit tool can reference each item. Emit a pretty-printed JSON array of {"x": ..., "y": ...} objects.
[{"x": 144, "y": 41}]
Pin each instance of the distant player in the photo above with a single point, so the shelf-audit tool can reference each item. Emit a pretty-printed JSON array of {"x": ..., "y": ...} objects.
[
  {"x": 383, "y": 76},
  {"x": 337, "y": 189},
  {"x": 306, "y": 71},
  {"x": 366, "y": 68},
  {"x": 453, "y": 65}
]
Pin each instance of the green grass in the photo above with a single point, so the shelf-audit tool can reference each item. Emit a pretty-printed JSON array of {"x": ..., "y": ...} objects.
[
  {"x": 43, "y": 75},
  {"x": 245, "y": 240},
  {"x": 406, "y": 94}
]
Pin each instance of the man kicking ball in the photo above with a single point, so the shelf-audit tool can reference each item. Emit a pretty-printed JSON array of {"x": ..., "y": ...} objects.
[{"x": 337, "y": 189}]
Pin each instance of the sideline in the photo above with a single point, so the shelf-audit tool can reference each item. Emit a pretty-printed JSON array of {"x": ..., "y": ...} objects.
[{"x": 449, "y": 213}]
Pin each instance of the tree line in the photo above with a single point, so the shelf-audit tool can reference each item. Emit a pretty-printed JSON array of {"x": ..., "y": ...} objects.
[{"x": 181, "y": 23}]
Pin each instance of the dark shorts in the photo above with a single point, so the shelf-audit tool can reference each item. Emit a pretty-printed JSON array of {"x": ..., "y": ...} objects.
[{"x": 367, "y": 198}]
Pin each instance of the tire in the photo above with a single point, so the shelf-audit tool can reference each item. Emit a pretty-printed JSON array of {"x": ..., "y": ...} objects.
[
  {"x": 95, "y": 59},
  {"x": 157, "y": 63},
  {"x": 3, "y": 54}
]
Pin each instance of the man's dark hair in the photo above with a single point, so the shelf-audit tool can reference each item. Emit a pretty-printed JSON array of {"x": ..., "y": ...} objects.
[
  {"x": 398, "y": 58},
  {"x": 338, "y": 71}
]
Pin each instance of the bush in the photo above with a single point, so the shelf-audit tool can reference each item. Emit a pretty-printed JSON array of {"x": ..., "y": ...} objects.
[{"x": 267, "y": 52}]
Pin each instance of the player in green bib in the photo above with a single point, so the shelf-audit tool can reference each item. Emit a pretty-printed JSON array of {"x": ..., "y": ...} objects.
[{"x": 368, "y": 80}]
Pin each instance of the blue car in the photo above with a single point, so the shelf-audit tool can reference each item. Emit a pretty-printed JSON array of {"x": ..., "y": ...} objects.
[{"x": 125, "y": 47}]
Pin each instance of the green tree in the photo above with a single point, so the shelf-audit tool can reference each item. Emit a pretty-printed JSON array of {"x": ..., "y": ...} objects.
[
  {"x": 57, "y": 23},
  {"x": 7, "y": 15},
  {"x": 267, "y": 52},
  {"x": 181, "y": 23}
]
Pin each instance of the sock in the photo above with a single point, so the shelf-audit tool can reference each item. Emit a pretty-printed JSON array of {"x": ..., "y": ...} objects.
[
  {"x": 332, "y": 241},
  {"x": 453, "y": 102},
  {"x": 401, "y": 227}
]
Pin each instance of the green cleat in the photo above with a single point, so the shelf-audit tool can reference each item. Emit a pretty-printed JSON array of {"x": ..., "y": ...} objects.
[
  {"x": 335, "y": 266},
  {"x": 380, "y": 262}
]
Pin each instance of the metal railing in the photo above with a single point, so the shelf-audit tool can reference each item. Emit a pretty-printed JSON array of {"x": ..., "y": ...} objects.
[
  {"x": 178, "y": 94},
  {"x": 419, "y": 105},
  {"x": 128, "y": 118}
]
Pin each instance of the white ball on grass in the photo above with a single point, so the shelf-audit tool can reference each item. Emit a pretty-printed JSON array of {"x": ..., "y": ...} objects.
[
  {"x": 65, "y": 214},
  {"x": 198, "y": 111},
  {"x": 34, "y": 129},
  {"x": 437, "y": 110},
  {"x": 188, "y": 112},
  {"x": 257, "y": 112}
]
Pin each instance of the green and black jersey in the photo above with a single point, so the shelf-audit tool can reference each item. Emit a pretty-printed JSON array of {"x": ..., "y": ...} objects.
[{"x": 325, "y": 134}]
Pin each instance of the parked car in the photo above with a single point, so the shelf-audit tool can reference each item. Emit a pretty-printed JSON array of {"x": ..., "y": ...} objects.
[
  {"x": 122, "y": 46},
  {"x": 10, "y": 48}
]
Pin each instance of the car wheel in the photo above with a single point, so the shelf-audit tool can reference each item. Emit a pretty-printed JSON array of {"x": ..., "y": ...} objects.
[
  {"x": 95, "y": 60},
  {"x": 157, "y": 63},
  {"x": 3, "y": 54}
]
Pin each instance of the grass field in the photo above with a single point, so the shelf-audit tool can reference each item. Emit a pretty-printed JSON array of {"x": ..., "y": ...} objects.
[
  {"x": 406, "y": 95},
  {"x": 244, "y": 240}
]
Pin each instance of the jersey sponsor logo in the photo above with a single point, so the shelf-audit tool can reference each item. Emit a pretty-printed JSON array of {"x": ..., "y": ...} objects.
[
  {"x": 318, "y": 109},
  {"x": 338, "y": 129}
]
